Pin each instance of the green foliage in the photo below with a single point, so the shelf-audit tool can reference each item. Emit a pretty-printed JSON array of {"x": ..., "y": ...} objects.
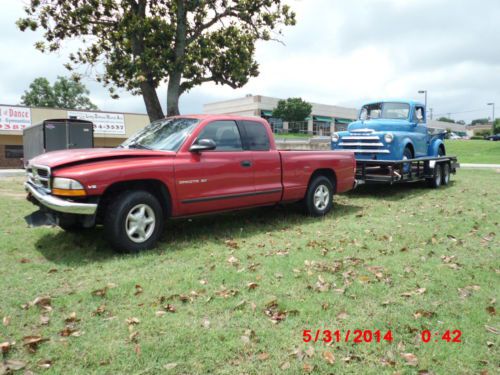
[
  {"x": 479, "y": 121},
  {"x": 292, "y": 109},
  {"x": 141, "y": 43},
  {"x": 65, "y": 93},
  {"x": 497, "y": 126},
  {"x": 446, "y": 119}
]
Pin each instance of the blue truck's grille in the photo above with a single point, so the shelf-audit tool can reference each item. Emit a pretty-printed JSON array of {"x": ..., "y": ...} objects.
[{"x": 362, "y": 143}]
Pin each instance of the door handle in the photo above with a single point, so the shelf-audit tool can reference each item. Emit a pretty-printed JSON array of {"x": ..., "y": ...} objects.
[{"x": 246, "y": 163}]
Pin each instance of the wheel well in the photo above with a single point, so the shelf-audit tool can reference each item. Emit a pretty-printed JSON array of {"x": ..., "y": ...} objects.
[
  {"x": 412, "y": 149},
  {"x": 328, "y": 173},
  {"x": 441, "y": 147},
  {"x": 155, "y": 187}
]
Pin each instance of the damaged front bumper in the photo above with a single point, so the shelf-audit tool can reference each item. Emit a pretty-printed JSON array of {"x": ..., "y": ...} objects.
[{"x": 58, "y": 204}]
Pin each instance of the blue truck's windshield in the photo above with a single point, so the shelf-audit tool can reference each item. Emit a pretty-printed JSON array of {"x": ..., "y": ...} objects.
[{"x": 389, "y": 110}]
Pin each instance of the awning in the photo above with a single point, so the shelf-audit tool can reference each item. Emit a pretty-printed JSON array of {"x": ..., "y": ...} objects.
[
  {"x": 343, "y": 121},
  {"x": 266, "y": 113},
  {"x": 323, "y": 118}
]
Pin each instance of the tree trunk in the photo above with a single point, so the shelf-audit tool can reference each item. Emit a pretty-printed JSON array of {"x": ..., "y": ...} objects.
[
  {"x": 173, "y": 93},
  {"x": 151, "y": 101}
]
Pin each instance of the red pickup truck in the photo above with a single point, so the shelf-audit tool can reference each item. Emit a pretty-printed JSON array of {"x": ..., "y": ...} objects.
[{"x": 182, "y": 166}]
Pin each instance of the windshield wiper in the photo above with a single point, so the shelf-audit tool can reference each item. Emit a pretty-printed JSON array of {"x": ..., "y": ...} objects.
[{"x": 138, "y": 145}]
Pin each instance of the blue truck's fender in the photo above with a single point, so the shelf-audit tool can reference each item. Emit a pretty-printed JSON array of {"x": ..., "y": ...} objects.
[
  {"x": 435, "y": 144},
  {"x": 402, "y": 145}
]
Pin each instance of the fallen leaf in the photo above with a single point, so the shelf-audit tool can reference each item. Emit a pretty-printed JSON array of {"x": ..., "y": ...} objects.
[
  {"x": 494, "y": 330},
  {"x": 491, "y": 310},
  {"x": 100, "y": 310},
  {"x": 232, "y": 244},
  {"x": 308, "y": 368},
  {"x": 14, "y": 365},
  {"x": 24, "y": 260},
  {"x": 170, "y": 366},
  {"x": 263, "y": 356},
  {"x": 138, "y": 290},
  {"x": 6, "y": 321},
  {"x": 252, "y": 285},
  {"x": 43, "y": 302},
  {"x": 132, "y": 321},
  {"x": 233, "y": 261},
  {"x": 203, "y": 282},
  {"x": 5, "y": 347},
  {"x": 170, "y": 308},
  {"x": 342, "y": 315},
  {"x": 72, "y": 318},
  {"x": 70, "y": 331},
  {"x": 285, "y": 365},
  {"x": 329, "y": 357},
  {"x": 206, "y": 323},
  {"x": 160, "y": 313},
  {"x": 44, "y": 363},
  {"x": 100, "y": 292},
  {"x": 424, "y": 313},
  {"x": 309, "y": 351},
  {"x": 52, "y": 270},
  {"x": 411, "y": 359},
  {"x": 137, "y": 349},
  {"x": 134, "y": 336},
  {"x": 44, "y": 320},
  {"x": 32, "y": 342},
  {"x": 226, "y": 293}
]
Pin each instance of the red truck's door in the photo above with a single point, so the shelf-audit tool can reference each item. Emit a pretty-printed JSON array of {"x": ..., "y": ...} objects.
[
  {"x": 266, "y": 162},
  {"x": 219, "y": 179}
]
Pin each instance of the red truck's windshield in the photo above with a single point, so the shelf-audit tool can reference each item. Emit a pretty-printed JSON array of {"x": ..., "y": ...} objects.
[{"x": 164, "y": 135}]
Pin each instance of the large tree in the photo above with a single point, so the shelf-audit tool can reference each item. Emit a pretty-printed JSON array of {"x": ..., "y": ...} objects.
[
  {"x": 65, "y": 93},
  {"x": 137, "y": 44},
  {"x": 292, "y": 109}
]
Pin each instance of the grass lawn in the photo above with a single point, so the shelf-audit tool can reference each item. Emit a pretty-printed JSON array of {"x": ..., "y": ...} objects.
[
  {"x": 403, "y": 258},
  {"x": 293, "y": 136},
  {"x": 474, "y": 151}
]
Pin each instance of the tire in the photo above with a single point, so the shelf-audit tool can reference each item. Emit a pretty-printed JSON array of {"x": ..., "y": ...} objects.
[
  {"x": 319, "y": 196},
  {"x": 407, "y": 154},
  {"x": 134, "y": 207},
  {"x": 445, "y": 174},
  {"x": 69, "y": 223},
  {"x": 436, "y": 180}
]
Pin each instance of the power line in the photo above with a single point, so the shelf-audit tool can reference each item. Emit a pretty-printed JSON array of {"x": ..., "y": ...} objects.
[{"x": 455, "y": 113}]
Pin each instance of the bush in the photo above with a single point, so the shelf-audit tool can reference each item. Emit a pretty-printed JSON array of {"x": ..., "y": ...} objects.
[{"x": 477, "y": 137}]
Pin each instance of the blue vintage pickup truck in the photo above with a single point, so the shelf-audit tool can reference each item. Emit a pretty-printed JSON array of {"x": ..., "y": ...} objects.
[{"x": 392, "y": 143}]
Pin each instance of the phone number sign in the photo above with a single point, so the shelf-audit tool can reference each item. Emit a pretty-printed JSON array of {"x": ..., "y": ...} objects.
[
  {"x": 104, "y": 123},
  {"x": 14, "y": 118}
]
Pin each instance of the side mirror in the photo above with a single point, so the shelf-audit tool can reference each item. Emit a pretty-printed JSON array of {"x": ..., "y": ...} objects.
[{"x": 203, "y": 145}]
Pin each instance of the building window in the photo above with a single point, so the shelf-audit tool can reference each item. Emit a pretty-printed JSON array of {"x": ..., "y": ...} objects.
[{"x": 13, "y": 152}]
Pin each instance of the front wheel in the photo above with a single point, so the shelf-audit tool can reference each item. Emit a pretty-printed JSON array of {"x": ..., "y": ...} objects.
[
  {"x": 134, "y": 221},
  {"x": 319, "y": 196}
]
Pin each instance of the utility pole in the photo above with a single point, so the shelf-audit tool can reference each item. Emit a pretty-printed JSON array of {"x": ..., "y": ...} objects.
[
  {"x": 430, "y": 112},
  {"x": 492, "y": 119},
  {"x": 424, "y": 92}
]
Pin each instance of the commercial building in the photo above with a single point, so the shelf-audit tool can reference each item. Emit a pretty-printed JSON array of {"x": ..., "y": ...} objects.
[
  {"x": 324, "y": 118},
  {"x": 110, "y": 128}
]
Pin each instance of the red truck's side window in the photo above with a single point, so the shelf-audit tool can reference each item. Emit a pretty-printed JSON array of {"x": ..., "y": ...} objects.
[
  {"x": 225, "y": 134},
  {"x": 256, "y": 136}
]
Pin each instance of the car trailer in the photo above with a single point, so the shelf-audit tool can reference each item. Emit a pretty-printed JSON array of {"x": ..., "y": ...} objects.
[{"x": 435, "y": 170}]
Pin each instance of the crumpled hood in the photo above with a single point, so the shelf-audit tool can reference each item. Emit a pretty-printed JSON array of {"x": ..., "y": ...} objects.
[{"x": 63, "y": 157}]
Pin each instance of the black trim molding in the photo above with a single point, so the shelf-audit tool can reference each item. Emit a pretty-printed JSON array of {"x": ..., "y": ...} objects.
[{"x": 219, "y": 197}]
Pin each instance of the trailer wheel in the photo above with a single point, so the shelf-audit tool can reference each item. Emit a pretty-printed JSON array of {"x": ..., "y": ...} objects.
[
  {"x": 436, "y": 180},
  {"x": 445, "y": 174},
  {"x": 133, "y": 221},
  {"x": 319, "y": 197}
]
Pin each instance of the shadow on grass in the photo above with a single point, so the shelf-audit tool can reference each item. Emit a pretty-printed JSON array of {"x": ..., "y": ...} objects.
[
  {"x": 394, "y": 192},
  {"x": 74, "y": 249}
]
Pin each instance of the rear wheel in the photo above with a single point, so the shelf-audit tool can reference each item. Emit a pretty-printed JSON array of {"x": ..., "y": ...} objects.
[
  {"x": 436, "y": 180},
  {"x": 319, "y": 196},
  {"x": 445, "y": 174},
  {"x": 134, "y": 221}
]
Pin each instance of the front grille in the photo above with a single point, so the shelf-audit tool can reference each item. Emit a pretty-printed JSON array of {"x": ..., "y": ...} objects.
[
  {"x": 39, "y": 176},
  {"x": 362, "y": 143}
]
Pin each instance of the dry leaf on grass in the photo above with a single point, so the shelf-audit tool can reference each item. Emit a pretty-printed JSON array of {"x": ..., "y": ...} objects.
[
  {"x": 494, "y": 330},
  {"x": 138, "y": 290},
  {"x": 132, "y": 321},
  {"x": 32, "y": 342},
  {"x": 44, "y": 363},
  {"x": 6, "y": 321},
  {"x": 5, "y": 347},
  {"x": 100, "y": 292},
  {"x": 308, "y": 368},
  {"x": 252, "y": 285},
  {"x": 72, "y": 318},
  {"x": 99, "y": 311},
  {"x": 328, "y": 357},
  {"x": 44, "y": 320},
  {"x": 424, "y": 313},
  {"x": 232, "y": 244},
  {"x": 11, "y": 365},
  {"x": 170, "y": 366},
  {"x": 43, "y": 302},
  {"x": 263, "y": 356},
  {"x": 410, "y": 358},
  {"x": 233, "y": 261}
]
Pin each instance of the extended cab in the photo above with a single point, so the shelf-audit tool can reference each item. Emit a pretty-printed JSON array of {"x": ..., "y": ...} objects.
[{"x": 182, "y": 166}]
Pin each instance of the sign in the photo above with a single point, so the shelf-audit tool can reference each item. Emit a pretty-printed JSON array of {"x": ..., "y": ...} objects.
[
  {"x": 14, "y": 118},
  {"x": 104, "y": 123}
]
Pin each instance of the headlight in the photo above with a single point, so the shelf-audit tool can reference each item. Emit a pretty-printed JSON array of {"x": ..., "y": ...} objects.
[
  {"x": 335, "y": 137},
  {"x": 388, "y": 138},
  {"x": 67, "y": 187}
]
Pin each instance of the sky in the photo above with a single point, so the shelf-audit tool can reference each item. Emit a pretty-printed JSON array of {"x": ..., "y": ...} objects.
[{"x": 341, "y": 52}]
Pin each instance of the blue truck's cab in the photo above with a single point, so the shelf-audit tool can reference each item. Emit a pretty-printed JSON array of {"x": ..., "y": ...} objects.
[{"x": 390, "y": 130}]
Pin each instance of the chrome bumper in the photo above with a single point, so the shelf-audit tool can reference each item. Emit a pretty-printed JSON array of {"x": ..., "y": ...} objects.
[{"x": 60, "y": 205}]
